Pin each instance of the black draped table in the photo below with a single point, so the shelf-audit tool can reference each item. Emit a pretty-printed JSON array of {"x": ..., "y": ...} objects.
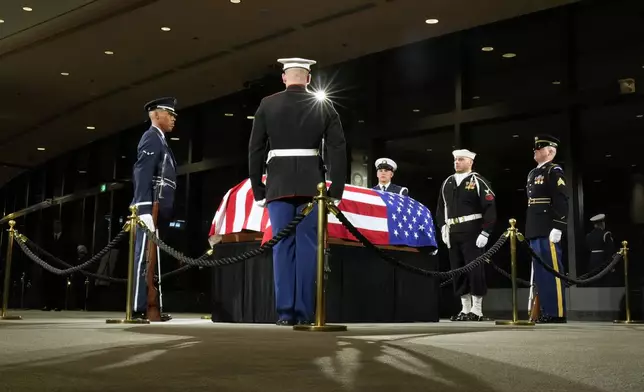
[{"x": 361, "y": 287}]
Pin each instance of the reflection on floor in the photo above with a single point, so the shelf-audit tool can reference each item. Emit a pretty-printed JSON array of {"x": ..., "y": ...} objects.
[{"x": 78, "y": 351}]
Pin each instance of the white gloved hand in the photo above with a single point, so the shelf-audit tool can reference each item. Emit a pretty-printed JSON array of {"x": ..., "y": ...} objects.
[
  {"x": 481, "y": 241},
  {"x": 260, "y": 203},
  {"x": 445, "y": 235},
  {"x": 555, "y": 236},
  {"x": 147, "y": 219},
  {"x": 336, "y": 201},
  {"x": 435, "y": 252}
]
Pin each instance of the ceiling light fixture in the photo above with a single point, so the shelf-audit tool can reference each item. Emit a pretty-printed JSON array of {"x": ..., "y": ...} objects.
[
  {"x": 1, "y": 21},
  {"x": 28, "y": 9},
  {"x": 65, "y": 73},
  {"x": 108, "y": 52},
  {"x": 122, "y": 156},
  {"x": 556, "y": 82},
  {"x": 515, "y": 136},
  {"x": 235, "y": 1},
  {"x": 82, "y": 171},
  {"x": 166, "y": 28},
  {"x": 640, "y": 115},
  {"x": 361, "y": 121},
  {"x": 250, "y": 117},
  {"x": 41, "y": 149},
  {"x": 91, "y": 127},
  {"x": 509, "y": 55},
  {"x": 608, "y": 155},
  {"x": 175, "y": 139},
  {"x": 228, "y": 114},
  {"x": 487, "y": 48},
  {"x": 429, "y": 150},
  {"x": 431, "y": 21},
  {"x": 476, "y": 97},
  {"x": 416, "y": 110},
  {"x": 430, "y": 178}
]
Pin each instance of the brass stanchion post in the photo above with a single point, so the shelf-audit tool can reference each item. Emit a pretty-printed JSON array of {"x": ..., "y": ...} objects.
[
  {"x": 7, "y": 275},
  {"x": 627, "y": 294},
  {"x": 86, "y": 291},
  {"x": 320, "y": 305},
  {"x": 130, "y": 276},
  {"x": 513, "y": 233}
]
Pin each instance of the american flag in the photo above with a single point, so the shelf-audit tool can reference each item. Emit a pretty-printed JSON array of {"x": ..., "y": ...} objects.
[{"x": 384, "y": 218}]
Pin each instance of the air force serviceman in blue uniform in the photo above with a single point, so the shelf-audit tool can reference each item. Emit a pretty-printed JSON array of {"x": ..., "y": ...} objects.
[
  {"x": 386, "y": 168},
  {"x": 294, "y": 123},
  {"x": 154, "y": 180}
]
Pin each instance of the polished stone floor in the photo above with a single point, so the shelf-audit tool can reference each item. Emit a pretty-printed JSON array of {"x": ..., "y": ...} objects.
[{"x": 78, "y": 351}]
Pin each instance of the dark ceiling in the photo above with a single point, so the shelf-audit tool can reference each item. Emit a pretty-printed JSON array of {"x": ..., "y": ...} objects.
[{"x": 67, "y": 65}]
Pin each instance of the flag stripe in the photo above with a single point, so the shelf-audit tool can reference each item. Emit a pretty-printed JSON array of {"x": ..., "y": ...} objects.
[{"x": 383, "y": 218}]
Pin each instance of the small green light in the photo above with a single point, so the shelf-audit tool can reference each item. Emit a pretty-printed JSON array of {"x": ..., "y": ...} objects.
[{"x": 103, "y": 187}]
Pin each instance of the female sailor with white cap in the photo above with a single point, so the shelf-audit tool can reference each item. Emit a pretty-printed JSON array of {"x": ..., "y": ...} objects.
[
  {"x": 386, "y": 168},
  {"x": 466, "y": 214}
]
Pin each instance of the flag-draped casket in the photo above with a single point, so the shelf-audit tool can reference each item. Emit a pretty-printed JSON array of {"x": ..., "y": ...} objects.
[{"x": 384, "y": 218}]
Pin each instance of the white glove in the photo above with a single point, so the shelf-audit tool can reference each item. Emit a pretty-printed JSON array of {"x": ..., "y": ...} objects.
[
  {"x": 147, "y": 219},
  {"x": 336, "y": 201},
  {"x": 435, "y": 252},
  {"x": 481, "y": 241},
  {"x": 555, "y": 236},
  {"x": 445, "y": 235},
  {"x": 260, "y": 203}
]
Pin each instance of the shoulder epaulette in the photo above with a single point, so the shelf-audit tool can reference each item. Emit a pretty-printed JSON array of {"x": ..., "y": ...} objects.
[{"x": 554, "y": 166}]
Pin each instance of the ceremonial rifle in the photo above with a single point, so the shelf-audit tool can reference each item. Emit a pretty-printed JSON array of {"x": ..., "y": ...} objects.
[{"x": 153, "y": 311}]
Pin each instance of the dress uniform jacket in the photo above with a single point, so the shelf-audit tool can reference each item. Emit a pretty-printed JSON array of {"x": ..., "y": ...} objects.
[
  {"x": 278, "y": 123},
  {"x": 154, "y": 173},
  {"x": 401, "y": 190},
  {"x": 468, "y": 207},
  {"x": 600, "y": 245},
  {"x": 547, "y": 201}
]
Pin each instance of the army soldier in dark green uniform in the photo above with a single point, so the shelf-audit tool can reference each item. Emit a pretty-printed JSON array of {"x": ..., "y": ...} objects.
[{"x": 546, "y": 221}]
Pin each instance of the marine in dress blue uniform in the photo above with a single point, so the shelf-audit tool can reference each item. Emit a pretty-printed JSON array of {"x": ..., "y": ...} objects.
[
  {"x": 293, "y": 124},
  {"x": 546, "y": 221},
  {"x": 154, "y": 180},
  {"x": 386, "y": 168}
]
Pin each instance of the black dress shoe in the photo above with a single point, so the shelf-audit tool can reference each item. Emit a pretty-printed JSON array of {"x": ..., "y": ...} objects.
[
  {"x": 138, "y": 315},
  {"x": 304, "y": 322},
  {"x": 544, "y": 319},
  {"x": 474, "y": 317},
  {"x": 284, "y": 322},
  {"x": 165, "y": 317},
  {"x": 459, "y": 317}
]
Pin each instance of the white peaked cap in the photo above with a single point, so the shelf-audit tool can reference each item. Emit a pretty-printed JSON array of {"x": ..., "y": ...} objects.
[
  {"x": 386, "y": 162},
  {"x": 296, "y": 62},
  {"x": 463, "y": 154},
  {"x": 598, "y": 218}
]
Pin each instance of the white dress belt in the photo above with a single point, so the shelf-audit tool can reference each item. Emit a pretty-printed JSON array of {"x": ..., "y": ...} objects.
[
  {"x": 462, "y": 219},
  {"x": 292, "y": 152}
]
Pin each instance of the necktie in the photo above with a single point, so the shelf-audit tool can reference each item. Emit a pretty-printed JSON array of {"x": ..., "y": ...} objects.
[{"x": 384, "y": 188}]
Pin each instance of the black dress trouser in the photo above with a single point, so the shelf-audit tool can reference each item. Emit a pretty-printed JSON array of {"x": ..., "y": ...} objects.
[{"x": 463, "y": 250}]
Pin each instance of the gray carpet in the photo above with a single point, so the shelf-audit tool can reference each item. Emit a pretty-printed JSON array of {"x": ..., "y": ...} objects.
[{"x": 78, "y": 352}]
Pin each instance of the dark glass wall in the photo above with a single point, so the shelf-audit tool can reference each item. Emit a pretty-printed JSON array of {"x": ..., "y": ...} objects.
[{"x": 489, "y": 89}]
